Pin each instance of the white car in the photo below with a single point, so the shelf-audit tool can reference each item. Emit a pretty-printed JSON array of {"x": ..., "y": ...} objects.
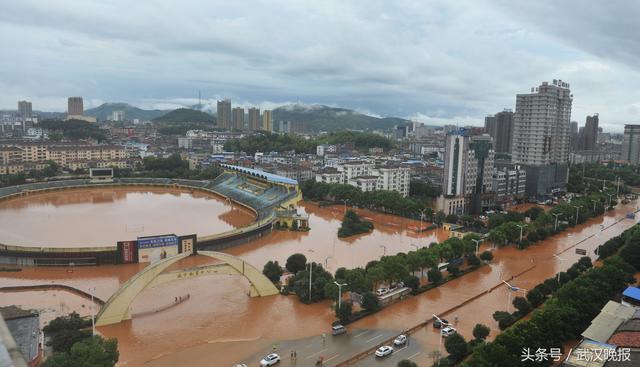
[
  {"x": 382, "y": 291},
  {"x": 400, "y": 340},
  {"x": 240, "y": 365},
  {"x": 384, "y": 351},
  {"x": 270, "y": 360},
  {"x": 448, "y": 331}
]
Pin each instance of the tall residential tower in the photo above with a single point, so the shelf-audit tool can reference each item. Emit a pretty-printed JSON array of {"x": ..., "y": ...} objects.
[
  {"x": 542, "y": 137},
  {"x": 224, "y": 114}
]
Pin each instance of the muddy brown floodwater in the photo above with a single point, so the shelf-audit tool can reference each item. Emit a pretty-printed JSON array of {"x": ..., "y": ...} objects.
[
  {"x": 101, "y": 217},
  {"x": 220, "y": 323}
]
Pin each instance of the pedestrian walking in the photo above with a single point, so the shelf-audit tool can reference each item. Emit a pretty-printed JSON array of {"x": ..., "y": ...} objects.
[
  {"x": 324, "y": 338},
  {"x": 292, "y": 356}
]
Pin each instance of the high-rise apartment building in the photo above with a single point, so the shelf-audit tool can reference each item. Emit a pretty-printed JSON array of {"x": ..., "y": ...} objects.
[
  {"x": 24, "y": 109},
  {"x": 631, "y": 144},
  {"x": 541, "y": 125},
  {"x": 541, "y": 137},
  {"x": 573, "y": 136},
  {"x": 224, "y": 114},
  {"x": 117, "y": 115},
  {"x": 468, "y": 173},
  {"x": 490, "y": 125},
  {"x": 503, "y": 132},
  {"x": 267, "y": 122},
  {"x": 254, "y": 118},
  {"x": 238, "y": 118},
  {"x": 589, "y": 135},
  {"x": 75, "y": 106}
]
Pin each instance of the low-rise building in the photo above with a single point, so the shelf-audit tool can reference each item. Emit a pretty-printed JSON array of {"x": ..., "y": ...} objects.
[{"x": 509, "y": 184}]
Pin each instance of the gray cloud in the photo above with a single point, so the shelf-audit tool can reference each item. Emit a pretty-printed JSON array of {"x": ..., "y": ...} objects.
[{"x": 439, "y": 61}]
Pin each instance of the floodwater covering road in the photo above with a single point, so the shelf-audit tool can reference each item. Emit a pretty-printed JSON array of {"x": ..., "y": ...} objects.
[{"x": 220, "y": 324}]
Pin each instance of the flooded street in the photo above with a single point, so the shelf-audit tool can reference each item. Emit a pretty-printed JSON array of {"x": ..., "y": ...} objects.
[
  {"x": 220, "y": 323},
  {"x": 101, "y": 217}
]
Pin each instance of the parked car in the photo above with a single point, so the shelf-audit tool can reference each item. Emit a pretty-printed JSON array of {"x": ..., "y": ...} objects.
[
  {"x": 448, "y": 331},
  {"x": 384, "y": 351},
  {"x": 338, "y": 330},
  {"x": 240, "y": 365},
  {"x": 382, "y": 291},
  {"x": 400, "y": 340},
  {"x": 270, "y": 360},
  {"x": 437, "y": 324}
]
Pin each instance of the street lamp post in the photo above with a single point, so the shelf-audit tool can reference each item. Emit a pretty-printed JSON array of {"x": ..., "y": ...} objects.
[
  {"x": 310, "y": 274},
  {"x": 610, "y": 195},
  {"x": 384, "y": 250},
  {"x": 594, "y": 206},
  {"x": 521, "y": 226},
  {"x": 513, "y": 288},
  {"x": 578, "y": 207},
  {"x": 556, "y": 215},
  {"x": 479, "y": 241},
  {"x": 93, "y": 312},
  {"x": 442, "y": 323},
  {"x": 339, "y": 293},
  {"x": 558, "y": 275}
]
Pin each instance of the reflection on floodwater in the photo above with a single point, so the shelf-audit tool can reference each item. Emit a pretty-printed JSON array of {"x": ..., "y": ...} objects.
[{"x": 219, "y": 322}]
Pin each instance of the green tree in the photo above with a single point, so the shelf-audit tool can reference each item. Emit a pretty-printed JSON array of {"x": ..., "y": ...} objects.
[
  {"x": 63, "y": 340},
  {"x": 486, "y": 256},
  {"x": 345, "y": 312},
  {"x": 480, "y": 331},
  {"x": 272, "y": 270},
  {"x": 439, "y": 218},
  {"x": 504, "y": 319},
  {"x": 352, "y": 225},
  {"x": 72, "y": 321},
  {"x": 412, "y": 282},
  {"x": 456, "y": 346},
  {"x": 296, "y": 263},
  {"x": 406, "y": 363},
  {"x": 473, "y": 260},
  {"x": 451, "y": 218},
  {"x": 434, "y": 275},
  {"x": 535, "y": 297},
  {"x": 370, "y": 302},
  {"x": 94, "y": 351},
  {"x": 522, "y": 305}
]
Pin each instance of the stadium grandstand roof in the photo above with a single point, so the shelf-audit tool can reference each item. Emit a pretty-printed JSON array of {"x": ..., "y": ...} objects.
[{"x": 261, "y": 174}]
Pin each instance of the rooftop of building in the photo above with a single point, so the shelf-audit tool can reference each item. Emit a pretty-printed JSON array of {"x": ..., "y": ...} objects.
[{"x": 24, "y": 326}]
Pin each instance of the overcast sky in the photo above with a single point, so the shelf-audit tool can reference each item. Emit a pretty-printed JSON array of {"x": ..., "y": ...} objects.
[{"x": 435, "y": 61}]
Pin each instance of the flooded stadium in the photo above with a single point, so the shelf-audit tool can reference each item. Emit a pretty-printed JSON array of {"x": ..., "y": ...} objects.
[{"x": 101, "y": 217}]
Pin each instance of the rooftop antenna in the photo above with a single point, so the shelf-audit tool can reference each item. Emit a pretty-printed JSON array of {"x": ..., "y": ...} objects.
[{"x": 199, "y": 101}]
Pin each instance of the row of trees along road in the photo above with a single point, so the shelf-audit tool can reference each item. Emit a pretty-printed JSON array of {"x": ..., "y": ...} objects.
[{"x": 570, "y": 309}]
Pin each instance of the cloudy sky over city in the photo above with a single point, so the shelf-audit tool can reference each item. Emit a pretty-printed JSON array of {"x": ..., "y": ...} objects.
[{"x": 434, "y": 61}]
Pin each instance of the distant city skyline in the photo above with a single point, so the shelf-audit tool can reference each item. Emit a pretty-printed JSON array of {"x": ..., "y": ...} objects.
[{"x": 438, "y": 62}]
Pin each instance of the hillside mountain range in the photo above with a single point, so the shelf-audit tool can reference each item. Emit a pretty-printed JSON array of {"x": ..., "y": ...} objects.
[
  {"x": 104, "y": 111},
  {"x": 185, "y": 115},
  {"x": 316, "y": 117},
  {"x": 325, "y": 118}
]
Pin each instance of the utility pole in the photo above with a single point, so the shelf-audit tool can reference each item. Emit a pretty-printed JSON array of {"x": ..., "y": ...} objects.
[
  {"x": 577, "y": 213},
  {"x": 339, "y": 293},
  {"x": 310, "y": 273},
  {"x": 556, "y": 215},
  {"x": 478, "y": 243},
  {"x": 521, "y": 226}
]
